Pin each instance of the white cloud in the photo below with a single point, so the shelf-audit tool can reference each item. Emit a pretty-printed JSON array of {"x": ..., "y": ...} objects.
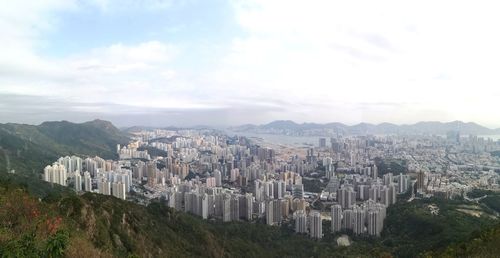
[
  {"x": 308, "y": 61},
  {"x": 442, "y": 55},
  {"x": 121, "y": 58}
]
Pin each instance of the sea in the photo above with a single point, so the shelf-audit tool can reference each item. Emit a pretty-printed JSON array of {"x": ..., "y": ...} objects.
[{"x": 283, "y": 139}]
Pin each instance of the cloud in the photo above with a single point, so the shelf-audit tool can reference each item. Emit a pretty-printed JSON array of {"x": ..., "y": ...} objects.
[
  {"x": 386, "y": 52},
  {"x": 318, "y": 61},
  {"x": 37, "y": 109},
  {"x": 119, "y": 58}
]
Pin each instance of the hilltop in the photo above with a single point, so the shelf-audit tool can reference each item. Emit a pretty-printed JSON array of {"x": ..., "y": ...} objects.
[{"x": 28, "y": 148}]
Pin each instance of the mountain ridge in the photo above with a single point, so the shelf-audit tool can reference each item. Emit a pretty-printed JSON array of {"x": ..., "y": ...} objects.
[
  {"x": 422, "y": 127},
  {"x": 27, "y": 148}
]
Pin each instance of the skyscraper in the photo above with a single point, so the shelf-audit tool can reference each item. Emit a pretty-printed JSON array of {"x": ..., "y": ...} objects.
[
  {"x": 55, "y": 174},
  {"x": 151, "y": 173},
  {"x": 78, "y": 181},
  {"x": 336, "y": 214},
  {"x": 347, "y": 218},
  {"x": 235, "y": 208},
  {"x": 226, "y": 208},
  {"x": 315, "y": 225},
  {"x": 384, "y": 196},
  {"x": 373, "y": 217},
  {"x": 322, "y": 142},
  {"x": 247, "y": 203},
  {"x": 300, "y": 221},
  {"x": 358, "y": 225},
  {"x": 87, "y": 181},
  {"x": 269, "y": 213},
  {"x": 298, "y": 191},
  {"x": 279, "y": 189},
  {"x": 218, "y": 178},
  {"x": 346, "y": 197},
  {"x": 119, "y": 190},
  {"x": 375, "y": 171},
  {"x": 388, "y": 178},
  {"x": 421, "y": 181},
  {"x": 204, "y": 206},
  {"x": 402, "y": 183}
]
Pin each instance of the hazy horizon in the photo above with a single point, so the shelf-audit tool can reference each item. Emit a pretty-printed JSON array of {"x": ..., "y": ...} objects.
[
  {"x": 125, "y": 123},
  {"x": 222, "y": 63}
]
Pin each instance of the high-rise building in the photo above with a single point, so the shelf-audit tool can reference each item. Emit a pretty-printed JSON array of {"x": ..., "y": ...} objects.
[
  {"x": 346, "y": 197},
  {"x": 218, "y": 178},
  {"x": 277, "y": 211},
  {"x": 119, "y": 190},
  {"x": 362, "y": 193},
  {"x": 299, "y": 204},
  {"x": 372, "y": 219},
  {"x": 226, "y": 208},
  {"x": 78, "y": 181},
  {"x": 218, "y": 205},
  {"x": 211, "y": 182},
  {"x": 358, "y": 225},
  {"x": 235, "y": 208},
  {"x": 87, "y": 181},
  {"x": 315, "y": 225},
  {"x": 279, "y": 189},
  {"x": 385, "y": 196},
  {"x": 388, "y": 178},
  {"x": 298, "y": 191},
  {"x": 268, "y": 190},
  {"x": 171, "y": 198},
  {"x": 269, "y": 213},
  {"x": 188, "y": 202},
  {"x": 204, "y": 206},
  {"x": 152, "y": 174},
  {"x": 322, "y": 142},
  {"x": 103, "y": 186},
  {"x": 246, "y": 206},
  {"x": 402, "y": 183},
  {"x": 336, "y": 218},
  {"x": 392, "y": 194},
  {"x": 90, "y": 166},
  {"x": 55, "y": 174},
  {"x": 374, "y": 193},
  {"x": 421, "y": 181},
  {"x": 300, "y": 221},
  {"x": 347, "y": 218},
  {"x": 234, "y": 174}
]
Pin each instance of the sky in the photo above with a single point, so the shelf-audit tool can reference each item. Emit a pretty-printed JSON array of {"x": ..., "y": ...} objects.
[{"x": 221, "y": 63}]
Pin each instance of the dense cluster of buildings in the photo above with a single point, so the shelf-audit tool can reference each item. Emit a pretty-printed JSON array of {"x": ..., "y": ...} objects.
[
  {"x": 90, "y": 175},
  {"x": 214, "y": 176}
]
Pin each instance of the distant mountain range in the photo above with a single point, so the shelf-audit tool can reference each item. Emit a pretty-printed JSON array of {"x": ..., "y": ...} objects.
[
  {"x": 138, "y": 128},
  {"x": 27, "y": 148},
  {"x": 289, "y": 127}
]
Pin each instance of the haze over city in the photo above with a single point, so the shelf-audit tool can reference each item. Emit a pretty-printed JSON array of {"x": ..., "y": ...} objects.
[{"x": 235, "y": 62}]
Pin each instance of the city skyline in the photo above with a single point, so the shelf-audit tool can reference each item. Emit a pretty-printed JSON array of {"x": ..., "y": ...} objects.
[
  {"x": 223, "y": 63},
  {"x": 249, "y": 128}
]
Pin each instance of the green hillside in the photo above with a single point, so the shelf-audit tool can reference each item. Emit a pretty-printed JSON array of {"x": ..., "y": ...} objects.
[
  {"x": 28, "y": 148},
  {"x": 482, "y": 244},
  {"x": 96, "y": 225},
  {"x": 412, "y": 229}
]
